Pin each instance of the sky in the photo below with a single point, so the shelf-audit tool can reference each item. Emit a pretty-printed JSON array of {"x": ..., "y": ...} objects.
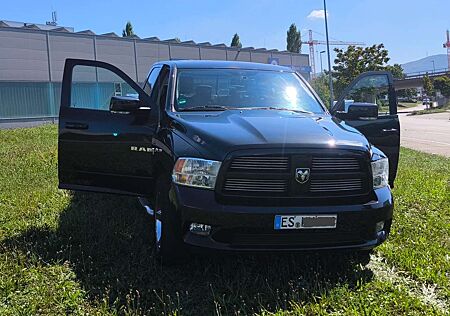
[{"x": 409, "y": 29}]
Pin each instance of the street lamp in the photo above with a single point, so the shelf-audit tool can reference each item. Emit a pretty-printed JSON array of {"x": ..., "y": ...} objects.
[
  {"x": 328, "y": 53},
  {"x": 321, "y": 67},
  {"x": 434, "y": 69}
]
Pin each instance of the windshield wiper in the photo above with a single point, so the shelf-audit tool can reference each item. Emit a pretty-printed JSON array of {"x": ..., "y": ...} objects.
[
  {"x": 205, "y": 108},
  {"x": 281, "y": 109}
]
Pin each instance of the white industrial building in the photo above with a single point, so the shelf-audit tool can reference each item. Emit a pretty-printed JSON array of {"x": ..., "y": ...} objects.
[{"x": 32, "y": 59}]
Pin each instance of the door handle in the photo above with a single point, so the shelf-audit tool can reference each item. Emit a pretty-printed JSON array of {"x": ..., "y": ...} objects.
[
  {"x": 390, "y": 130},
  {"x": 72, "y": 125}
]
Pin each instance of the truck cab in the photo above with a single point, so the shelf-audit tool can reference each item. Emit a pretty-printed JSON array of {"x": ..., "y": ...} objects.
[{"x": 234, "y": 156}]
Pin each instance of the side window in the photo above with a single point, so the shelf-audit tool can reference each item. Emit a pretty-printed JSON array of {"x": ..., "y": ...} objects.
[
  {"x": 159, "y": 95},
  {"x": 150, "y": 83},
  {"x": 371, "y": 89},
  {"x": 93, "y": 87}
]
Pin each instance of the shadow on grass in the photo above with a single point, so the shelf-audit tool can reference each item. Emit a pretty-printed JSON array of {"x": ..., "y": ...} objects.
[{"x": 107, "y": 241}]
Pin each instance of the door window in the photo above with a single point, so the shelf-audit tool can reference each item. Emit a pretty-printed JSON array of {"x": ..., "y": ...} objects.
[
  {"x": 93, "y": 87},
  {"x": 150, "y": 83},
  {"x": 161, "y": 86},
  {"x": 371, "y": 89}
]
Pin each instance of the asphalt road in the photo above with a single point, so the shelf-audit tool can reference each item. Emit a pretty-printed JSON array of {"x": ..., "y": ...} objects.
[{"x": 429, "y": 132}]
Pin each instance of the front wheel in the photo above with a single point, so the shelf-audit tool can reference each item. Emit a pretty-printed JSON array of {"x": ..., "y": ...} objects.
[
  {"x": 168, "y": 246},
  {"x": 362, "y": 257}
]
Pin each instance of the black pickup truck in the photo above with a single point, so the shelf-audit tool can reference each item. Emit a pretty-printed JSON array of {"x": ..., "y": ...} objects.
[{"x": 234, "y": 156}]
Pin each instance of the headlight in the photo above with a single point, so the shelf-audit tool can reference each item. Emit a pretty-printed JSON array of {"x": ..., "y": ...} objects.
[
  {"x": 380, "y": 172},
  {"x": 196, "y": 172}
]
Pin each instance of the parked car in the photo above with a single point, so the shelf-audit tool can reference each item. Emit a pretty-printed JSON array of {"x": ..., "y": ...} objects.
[{"x": 232, "y": 156}]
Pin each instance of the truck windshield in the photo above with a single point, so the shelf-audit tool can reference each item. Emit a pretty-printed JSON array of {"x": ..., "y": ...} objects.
[{"x": 222, "y": 89}]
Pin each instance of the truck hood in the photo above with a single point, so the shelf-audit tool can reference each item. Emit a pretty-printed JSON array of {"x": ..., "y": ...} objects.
[{"x": 215, "y": 134}]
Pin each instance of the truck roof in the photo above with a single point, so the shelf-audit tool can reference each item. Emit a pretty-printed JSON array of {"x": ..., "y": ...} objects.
[{"x": 220, "y": 64}]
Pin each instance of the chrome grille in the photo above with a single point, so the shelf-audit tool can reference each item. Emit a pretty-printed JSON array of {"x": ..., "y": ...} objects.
[
  {"x": 264, "y": 176},
  {"x": 329, "y": 185},
  {"x": 332, "y": 163},
  {"x": 266, "y": 163},
  {"x": 256, "y": 185}
]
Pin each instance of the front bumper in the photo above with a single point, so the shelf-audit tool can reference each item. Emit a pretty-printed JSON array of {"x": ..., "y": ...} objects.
[{"x": 239, "y": 228}]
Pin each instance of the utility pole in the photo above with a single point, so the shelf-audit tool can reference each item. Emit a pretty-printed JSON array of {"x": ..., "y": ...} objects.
[
  {"x": 434, "y": 68},
  {"x": 328, "y": 53},
  {"x": 311, "y": 53}
]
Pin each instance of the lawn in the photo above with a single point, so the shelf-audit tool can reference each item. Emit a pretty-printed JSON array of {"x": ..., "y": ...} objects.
[
  {"x": 440, "y": 109},
  {"x": 403, "y": 104},
  {"x": 430, "y": 111},
  {"x": 83, "y": 253}
]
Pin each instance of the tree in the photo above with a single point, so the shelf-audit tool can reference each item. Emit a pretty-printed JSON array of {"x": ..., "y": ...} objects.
[
  {"x": 443, "y": 85},
  {"x": 428, "y": 85},
  {"x": 236, "y": 42},
  {"x": 320, "y": 85},
  {"x": 396, "y": 70},
  {"x": 410, "y": 93},
  {"x": 356, "y": 60},
  {"x": 397, "y": 73},
  {"x": 128, "y": 30},
  {"x": 293, "y": 39}
]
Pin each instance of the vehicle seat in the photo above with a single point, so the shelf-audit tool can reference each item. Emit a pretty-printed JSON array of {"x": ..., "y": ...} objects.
[
  {"x": 202, "y": 96},
  {"x": 186, "y": 86}
]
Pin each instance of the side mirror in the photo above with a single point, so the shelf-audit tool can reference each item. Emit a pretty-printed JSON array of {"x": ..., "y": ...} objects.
[
  {"x": 124, "y": 104},
  {"x": 362, "y": 111}
]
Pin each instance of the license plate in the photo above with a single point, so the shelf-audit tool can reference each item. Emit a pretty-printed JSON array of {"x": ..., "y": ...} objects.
[{"x": 304, "y": 221}]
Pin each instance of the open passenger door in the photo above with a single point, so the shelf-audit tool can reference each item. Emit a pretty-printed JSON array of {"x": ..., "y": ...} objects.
[
  {"x": 369, "y": 104},
  {"x": 106, "y": 126}
]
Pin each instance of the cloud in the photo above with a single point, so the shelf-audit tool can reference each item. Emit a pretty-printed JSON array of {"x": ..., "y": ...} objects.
[{"x": 317, "y": 14}]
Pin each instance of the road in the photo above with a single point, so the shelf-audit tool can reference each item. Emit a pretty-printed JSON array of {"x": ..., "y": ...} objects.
[{"x": 429, "y": 132}]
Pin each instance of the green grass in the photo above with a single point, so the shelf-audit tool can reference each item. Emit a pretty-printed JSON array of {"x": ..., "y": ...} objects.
[
  {"x": 403, "y": 104},
  {"x": 420, "y": 240},
  {"x": 432, "y": 110},
  {"x": 81, "y": 253}
]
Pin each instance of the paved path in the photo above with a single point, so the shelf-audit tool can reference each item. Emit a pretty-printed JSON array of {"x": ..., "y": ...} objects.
[{"x": 429, "y": 132}]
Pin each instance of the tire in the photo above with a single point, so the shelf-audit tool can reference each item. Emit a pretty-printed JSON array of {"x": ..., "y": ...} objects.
[
  {"x": 362, "y": 257},
  {"x": 168, "y": 243}
]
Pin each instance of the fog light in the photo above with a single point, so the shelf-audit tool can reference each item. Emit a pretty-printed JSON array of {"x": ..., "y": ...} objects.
[
  {"x": 381, "y": 236},
  {"x": 200, "y": 229},
  {"x": 379, "y": 226}
]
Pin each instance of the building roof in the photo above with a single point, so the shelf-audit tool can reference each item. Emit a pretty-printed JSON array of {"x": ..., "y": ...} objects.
[{"x": 172, "y": 41}]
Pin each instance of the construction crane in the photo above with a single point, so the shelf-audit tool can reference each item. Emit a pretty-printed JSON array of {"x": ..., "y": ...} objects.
[
  {"x": 447, "y": 45},
  {"x": 312, "y": 42}
]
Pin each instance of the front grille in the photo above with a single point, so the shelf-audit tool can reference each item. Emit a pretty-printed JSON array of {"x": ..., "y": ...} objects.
[
  {"x": 267, "y": 176},
  {"x": 266, "y": 163},
  {"x": 332, "y": 163},
  {"x": 256, "y": 185},
  {"x": 335, "y": 185}
]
